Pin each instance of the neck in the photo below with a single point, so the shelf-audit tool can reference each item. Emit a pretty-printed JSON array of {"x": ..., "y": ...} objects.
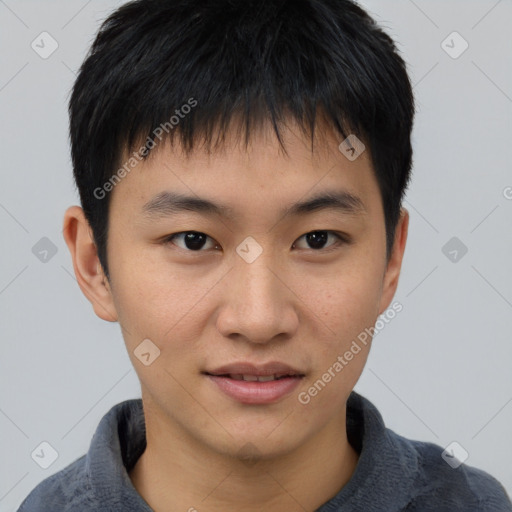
[{"x": 179, "y": 473}]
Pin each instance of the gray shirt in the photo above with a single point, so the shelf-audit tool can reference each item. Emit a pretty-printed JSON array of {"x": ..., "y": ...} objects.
[{"x": 392, "y": 474}]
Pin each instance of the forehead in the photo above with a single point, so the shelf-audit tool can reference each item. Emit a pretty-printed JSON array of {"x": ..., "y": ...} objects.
[{"x": 234, "y": 178}]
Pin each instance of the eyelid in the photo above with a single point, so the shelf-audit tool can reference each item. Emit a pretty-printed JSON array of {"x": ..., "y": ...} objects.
[
  {"x": 168, "y": 239},
  {"x": 343, "y": 239}
]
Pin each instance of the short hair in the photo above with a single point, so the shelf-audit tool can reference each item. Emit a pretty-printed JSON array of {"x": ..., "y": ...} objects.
[{"x": 250, "y": 60}]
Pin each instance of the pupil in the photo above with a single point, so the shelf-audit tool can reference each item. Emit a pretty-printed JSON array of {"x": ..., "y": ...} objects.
[
  {"x": 317, "y": 239},
  {"x": 194, "y": 240}
]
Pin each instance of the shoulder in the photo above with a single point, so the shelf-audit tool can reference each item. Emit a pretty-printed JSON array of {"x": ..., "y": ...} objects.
[
  {"x": 442, "y": 486},
  {"x": 66, "y": 490},
  {"x": 408, "y": 475},
  {"x": 98, "y": 480}
]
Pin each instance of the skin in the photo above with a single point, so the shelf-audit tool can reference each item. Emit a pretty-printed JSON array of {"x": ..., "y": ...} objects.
[{"x": 295, "y": 303}]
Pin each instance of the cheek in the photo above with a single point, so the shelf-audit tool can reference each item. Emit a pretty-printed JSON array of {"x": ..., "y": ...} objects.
[
  {"x": 142, "y": 294},
  {"x": 342, "y": 303},
  {"x": 339, "y": 345},
  {"x": 160, "y": 301}
]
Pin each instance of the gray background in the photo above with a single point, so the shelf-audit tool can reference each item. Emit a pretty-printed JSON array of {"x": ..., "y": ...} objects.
[{"x": 440, "y": 371}]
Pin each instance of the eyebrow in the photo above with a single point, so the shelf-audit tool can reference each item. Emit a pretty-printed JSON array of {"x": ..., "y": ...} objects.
[{"x": 167, "y": 203}]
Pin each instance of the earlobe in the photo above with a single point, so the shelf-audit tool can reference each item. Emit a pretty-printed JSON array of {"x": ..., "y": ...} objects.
[
  {"x": 394, "y": 265},
  {"x": 88, "y": 270}
]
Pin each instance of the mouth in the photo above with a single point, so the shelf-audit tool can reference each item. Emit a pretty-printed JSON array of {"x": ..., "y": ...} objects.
[
  {"x": 255, "y": 384},
  {"x": 253, "y": 371},
  {"x": 255, "y": 378}
]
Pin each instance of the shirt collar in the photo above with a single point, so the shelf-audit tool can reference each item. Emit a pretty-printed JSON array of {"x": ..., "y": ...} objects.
[
  {"x": 117, "y": 444},
  {"x": 387, "y": 466},
  {"x": 384, "y": 457}
]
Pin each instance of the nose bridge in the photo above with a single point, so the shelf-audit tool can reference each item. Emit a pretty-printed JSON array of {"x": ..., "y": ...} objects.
[
  {"x": 257, "y": 279},
  {"x": 259, "y": 306}
]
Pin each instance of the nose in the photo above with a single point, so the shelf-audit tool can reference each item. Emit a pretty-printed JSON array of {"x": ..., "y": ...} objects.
[{"x": 258, "y": 305}]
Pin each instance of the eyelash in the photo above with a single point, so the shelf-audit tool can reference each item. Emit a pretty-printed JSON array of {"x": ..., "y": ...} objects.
[{"x": 342, "y": 240}]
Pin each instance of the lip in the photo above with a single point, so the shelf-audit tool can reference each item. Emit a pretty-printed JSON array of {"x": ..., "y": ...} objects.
[
  {"x": 248, "y": 392},
  {"x": 253, "y": 392},
  {"x": 261, "y": 370}
]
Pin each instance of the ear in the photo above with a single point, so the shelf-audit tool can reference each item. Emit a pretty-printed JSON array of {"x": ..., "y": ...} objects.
[
  {"x": 88, "y": 270},
  {"x": 392, "y": 273}
]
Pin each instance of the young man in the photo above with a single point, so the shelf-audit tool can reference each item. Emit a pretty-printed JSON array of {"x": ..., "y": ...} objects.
[{"x": 241, "y": 167}]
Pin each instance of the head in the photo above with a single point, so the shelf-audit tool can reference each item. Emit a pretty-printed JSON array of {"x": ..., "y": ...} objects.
[{"x": 244, "y": 105}]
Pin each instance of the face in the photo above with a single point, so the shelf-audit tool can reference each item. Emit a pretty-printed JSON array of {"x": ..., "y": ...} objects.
[{"x": 254, "y": 281}]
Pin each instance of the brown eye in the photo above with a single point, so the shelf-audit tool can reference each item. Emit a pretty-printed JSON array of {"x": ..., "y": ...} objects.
[
  {"x": 317, "y": 240},
  {"x": 191, "y": 240}
]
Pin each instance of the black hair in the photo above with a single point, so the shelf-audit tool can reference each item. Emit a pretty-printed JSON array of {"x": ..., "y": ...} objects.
[{"x": 251, "y": 60}]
